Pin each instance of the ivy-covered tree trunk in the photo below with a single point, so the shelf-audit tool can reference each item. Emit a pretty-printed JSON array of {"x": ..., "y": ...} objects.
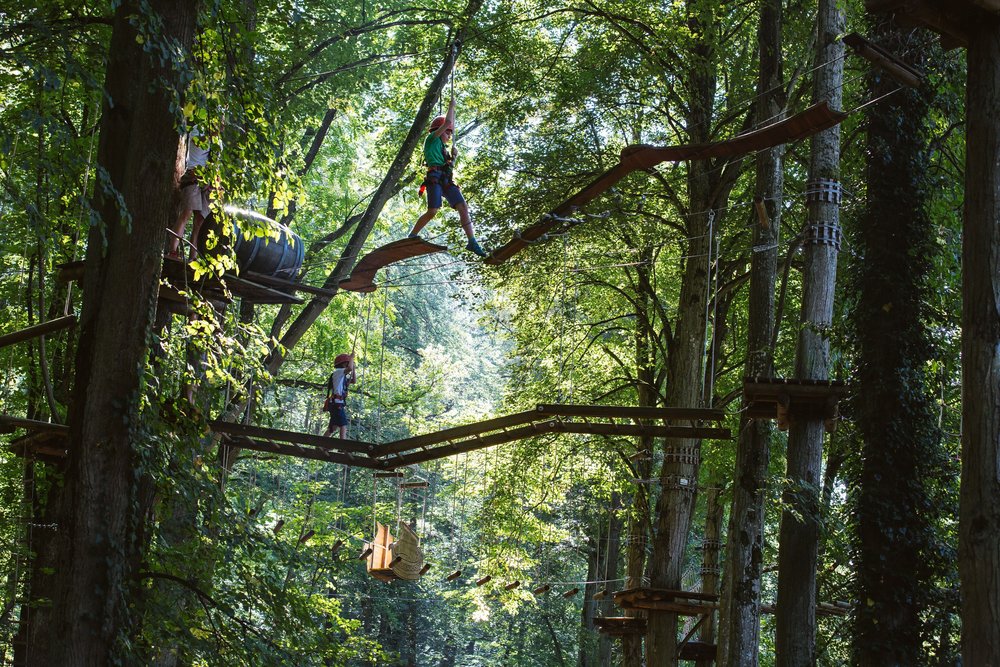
[
  {"x": 795, "y": 635},
  {"x": 979, "y": 524},
  {"x": 93, "y": 561},
  {"x": 739, "y": 632},
  {"x": 892, "y": 508}
]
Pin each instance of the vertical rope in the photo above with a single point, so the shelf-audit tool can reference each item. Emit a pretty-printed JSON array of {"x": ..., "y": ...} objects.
[{"x": 708, "y": 292}]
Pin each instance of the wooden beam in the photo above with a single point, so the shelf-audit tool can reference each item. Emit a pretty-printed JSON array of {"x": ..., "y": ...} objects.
[
  {"x": 673, "y": 432},
  {"x": 271, "y": 281},
  {"x": 329, "y": 444},
  {"x": 456, "y": 433},
  {"x": 468, "y": 445},
  {"x": 299, "y": 451},
  {"x": 629, "y": 412},
  {"x": 33, "y": 424},
  {"x": 893, "y": 66},
  {"x": 38, "y": 330}
]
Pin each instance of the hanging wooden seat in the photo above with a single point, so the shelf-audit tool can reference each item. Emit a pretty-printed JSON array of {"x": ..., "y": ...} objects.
[
  {"x": 806, "y": 123},
  {"x": 391, "y": 558},
  {"x": 363, "y": 276},
  {"x": 790, "y": 400},
  {"x": 687, "y": 603}
]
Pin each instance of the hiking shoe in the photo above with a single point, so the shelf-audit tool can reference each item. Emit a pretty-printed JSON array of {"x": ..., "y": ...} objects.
[
  {"x": 413, "y": 236},
  {"x": 473, "y": 246}
]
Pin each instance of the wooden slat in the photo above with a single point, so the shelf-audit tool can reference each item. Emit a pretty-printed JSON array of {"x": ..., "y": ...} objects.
[
  {"x": 362, "y": 278},
  {"x": 621, "y": 625},
  {"x": 875, "y": 54},
  {"x": 672, "y": 432},
  {"x": 456, "y": 433},
  {"x": 33, "y": 424},
  {"x": 654, "y": 599},
  {"x": 630, "y": 412},
  {"x": 298, "y": 451},
  {"x": 37, "y": 330},
  {"x": 42, "y": 445},
  {"x": 469, "y": 445},
  {"x": 330, "y": 444}
]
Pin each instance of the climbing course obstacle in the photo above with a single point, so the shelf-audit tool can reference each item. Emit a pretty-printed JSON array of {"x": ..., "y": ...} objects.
[
  {"x": 363, "y": 275},
  {"x": 804, "y": 124}
]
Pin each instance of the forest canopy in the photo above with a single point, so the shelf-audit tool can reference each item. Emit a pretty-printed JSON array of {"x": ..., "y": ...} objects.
[{"x": 167, "y": 491}]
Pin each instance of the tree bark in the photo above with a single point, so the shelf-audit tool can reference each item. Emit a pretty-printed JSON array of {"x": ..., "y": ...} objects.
[
  {"x": 94, "y": 556},
  {"x": 739, "y": 632},
  {"x": 795, "y": 635},
  {"x": 979, "y": 513}
]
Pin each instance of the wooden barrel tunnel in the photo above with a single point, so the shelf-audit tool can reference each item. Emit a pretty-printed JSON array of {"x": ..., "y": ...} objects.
[{"x": 260, "y": 244}]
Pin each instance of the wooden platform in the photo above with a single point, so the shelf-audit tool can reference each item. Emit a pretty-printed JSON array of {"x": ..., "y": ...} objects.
[
  {"x": 362, "y": 278},
  {"x": 806, "y": 123},
  {"x": 790, "y": 400},
  {"x": 952, "y": 19},
  {"x": 621, "y": 626},
  {"x": 250, "y": 287},
  {"x": 696, "y": 651},
  {"x": 686, "y": 603}
]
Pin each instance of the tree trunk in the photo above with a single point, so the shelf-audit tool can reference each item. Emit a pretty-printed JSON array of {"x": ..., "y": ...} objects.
[
  {"x": 610, "y": 573},
  {"x": 895, "y": 549},
  {"x": 979, "y": 514},
  {"x": 588, "y": 631},
  {"x": 710, "y": 563},
  {"x": 93, "y": 559},
  {"x": 679, "y": 473},
  {"x": 799, "y": 536},
  {"x": 739, "y": 613}
]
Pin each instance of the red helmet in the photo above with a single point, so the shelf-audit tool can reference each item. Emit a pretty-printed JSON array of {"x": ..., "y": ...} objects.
[
  {"x": 342, "y": 359},
  {"x": 437, "y": 122}
]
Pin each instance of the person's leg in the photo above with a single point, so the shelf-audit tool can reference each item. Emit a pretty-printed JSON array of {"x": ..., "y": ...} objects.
[
  {"x": 178, "y": 230},
  {"x": 456, "y": 199},
  {"x": 433, "y": 206},
  {"x": 343, "y": 433},
  {"x": 423, "y": 220},
  {"x": 199, "y": 218}
]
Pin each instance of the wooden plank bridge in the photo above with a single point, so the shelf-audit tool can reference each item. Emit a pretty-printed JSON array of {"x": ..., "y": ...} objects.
[{"x": 603, "y": 420}]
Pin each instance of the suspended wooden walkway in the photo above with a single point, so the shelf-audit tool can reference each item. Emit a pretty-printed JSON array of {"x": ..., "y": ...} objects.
[
  {"x": 550, "y": 418},
  {"x": 806, "y": 123},
  {"x": 362, "y": 278},
  {"x": 676, "y": 423}
]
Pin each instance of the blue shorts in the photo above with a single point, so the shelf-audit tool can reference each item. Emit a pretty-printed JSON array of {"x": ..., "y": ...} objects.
[
  {"x": 450, "y": 192},
  {"x": 338, "y": 416}
]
